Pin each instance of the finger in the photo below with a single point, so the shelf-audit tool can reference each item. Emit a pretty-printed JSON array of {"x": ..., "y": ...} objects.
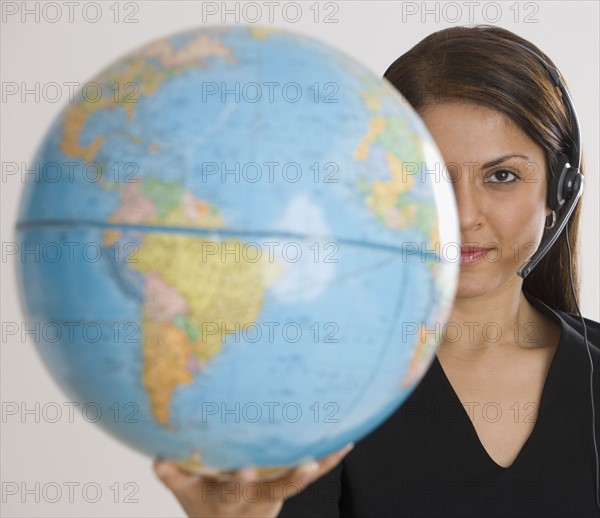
[
  {"x": 325, "y": 464},
  {"x": 170, "y": 475},
  {"x": 342, "y": 452},
  {"x": 308, "y": 472},
  {"x": 246, "y": 475},
  {"x": 300, "y": 478},
  {"x": 331, "y": 460},
  {"x": 308, "y": 469}
]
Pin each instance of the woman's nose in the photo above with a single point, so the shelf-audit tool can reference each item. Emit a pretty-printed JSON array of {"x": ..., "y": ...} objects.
[{"x": 469, "y": 203}]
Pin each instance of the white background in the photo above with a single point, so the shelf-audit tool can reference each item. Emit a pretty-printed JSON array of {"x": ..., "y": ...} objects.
[{"x": 375, "y": 33}]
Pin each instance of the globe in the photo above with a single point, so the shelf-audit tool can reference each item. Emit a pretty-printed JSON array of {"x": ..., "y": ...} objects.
[{"x": 236, "y": 245}]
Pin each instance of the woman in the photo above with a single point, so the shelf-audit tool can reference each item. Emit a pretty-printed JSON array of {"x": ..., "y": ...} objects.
[{"x": 501, "y": 424}]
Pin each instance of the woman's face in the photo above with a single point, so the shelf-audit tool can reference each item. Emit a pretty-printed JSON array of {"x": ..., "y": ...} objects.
[{"x": 499, "y": 179}]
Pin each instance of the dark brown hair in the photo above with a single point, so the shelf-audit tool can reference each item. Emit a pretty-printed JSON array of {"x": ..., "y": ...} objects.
[{"x": 480, "y": 64}]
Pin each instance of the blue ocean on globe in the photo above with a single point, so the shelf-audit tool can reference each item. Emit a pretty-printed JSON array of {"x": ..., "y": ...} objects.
[{"x": 239, "y": 245}]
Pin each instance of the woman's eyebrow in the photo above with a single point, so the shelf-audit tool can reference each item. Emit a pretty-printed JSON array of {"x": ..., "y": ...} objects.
[{"x": 501, "y": 159}]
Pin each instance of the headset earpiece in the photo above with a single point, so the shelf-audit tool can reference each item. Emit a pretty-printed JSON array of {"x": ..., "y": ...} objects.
[
  {"x": 563, "y": 185},
  {"x": 556, "y": 180}
]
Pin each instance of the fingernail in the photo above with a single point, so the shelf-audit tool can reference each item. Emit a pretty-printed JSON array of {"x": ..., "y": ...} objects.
[
  {"x": 162, "y": 469},
  {"x": 308, "y": 468},
  {"x": 247, "y": 474},
  {"x": 347, "y": 448}
]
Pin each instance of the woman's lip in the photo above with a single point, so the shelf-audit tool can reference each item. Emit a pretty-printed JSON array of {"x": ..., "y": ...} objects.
[
  {"x": 472, "y": 254},
  {"x": 473, "y": 249}
]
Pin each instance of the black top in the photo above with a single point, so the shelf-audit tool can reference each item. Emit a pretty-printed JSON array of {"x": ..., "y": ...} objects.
[{"x": 426, "y": 459}]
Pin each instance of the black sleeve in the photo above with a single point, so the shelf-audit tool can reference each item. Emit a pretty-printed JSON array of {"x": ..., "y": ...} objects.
[{"x": 319, "y": 500}]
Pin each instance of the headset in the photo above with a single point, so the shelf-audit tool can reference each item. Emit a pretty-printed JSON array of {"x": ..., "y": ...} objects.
[{"x": 564, "y": 191}]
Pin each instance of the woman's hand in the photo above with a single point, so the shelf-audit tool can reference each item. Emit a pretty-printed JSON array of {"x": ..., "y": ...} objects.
[{"x": 242, "y": 495}]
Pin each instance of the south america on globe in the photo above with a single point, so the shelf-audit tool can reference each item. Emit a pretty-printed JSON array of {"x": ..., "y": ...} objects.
[{"x": 241, "y": 239}]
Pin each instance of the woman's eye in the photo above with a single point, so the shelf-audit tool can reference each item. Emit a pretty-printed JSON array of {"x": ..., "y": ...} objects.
[{"x": 503, "y": 176}]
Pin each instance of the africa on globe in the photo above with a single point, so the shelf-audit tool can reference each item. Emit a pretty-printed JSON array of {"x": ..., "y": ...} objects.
[{"x": 249, "y": 230}]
